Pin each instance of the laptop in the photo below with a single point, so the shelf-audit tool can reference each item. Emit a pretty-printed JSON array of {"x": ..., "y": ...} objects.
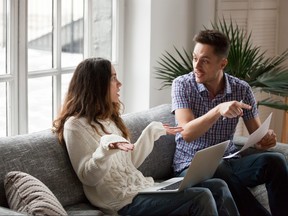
[{"x": 202, "y": 167}]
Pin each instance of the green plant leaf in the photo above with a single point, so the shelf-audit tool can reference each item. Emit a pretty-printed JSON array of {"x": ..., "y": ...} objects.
[
  {"x": 170, "y": 67},
  {"x": 276, "y": 104}
]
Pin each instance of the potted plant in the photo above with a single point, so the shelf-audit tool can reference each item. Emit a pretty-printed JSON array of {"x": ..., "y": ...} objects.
[{"x": 245, "y": 61}]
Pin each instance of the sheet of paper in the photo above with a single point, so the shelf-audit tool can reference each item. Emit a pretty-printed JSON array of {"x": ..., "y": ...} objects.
[{"x": 255, "y": 137}]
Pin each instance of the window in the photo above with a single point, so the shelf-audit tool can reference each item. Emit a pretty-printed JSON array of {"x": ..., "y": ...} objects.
[
  {"x": 40, "y": 45},
  {"x": 3, "y": 69},
  {"x": 3, "y": 28}
]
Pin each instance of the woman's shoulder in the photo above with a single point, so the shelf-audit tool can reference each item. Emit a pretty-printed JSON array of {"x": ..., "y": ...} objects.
[
  {"x": 74, "y": 122},
  {"x": 81, "y": 123}
]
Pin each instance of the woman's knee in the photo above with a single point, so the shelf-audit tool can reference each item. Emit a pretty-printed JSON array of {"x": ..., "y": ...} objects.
[
  {"x": 218, "y": 187},
  {"x": 199, "y": 194},
  {"x": 214, "y": 184},
  {"x": 218, "y": 182},
  {"x": 201, "y": 199}
]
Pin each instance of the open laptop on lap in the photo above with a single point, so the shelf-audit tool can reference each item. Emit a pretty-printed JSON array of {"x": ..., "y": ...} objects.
[{"x": 202, "y": 167}]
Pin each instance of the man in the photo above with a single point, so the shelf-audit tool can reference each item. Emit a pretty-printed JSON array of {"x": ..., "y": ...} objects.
[{"x": 208, "y": 104}]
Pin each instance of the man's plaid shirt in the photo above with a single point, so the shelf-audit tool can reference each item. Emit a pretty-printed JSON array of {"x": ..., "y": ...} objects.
[{"x": 187, "y": 93}]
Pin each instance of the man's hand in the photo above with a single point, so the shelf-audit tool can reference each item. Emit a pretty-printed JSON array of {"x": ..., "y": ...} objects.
[
  {"x": 172, "y": 130},
  {"x": 268, "y": 141},
  {"x": 232, "y": 109},
  {"x": 124, "y": 146}
]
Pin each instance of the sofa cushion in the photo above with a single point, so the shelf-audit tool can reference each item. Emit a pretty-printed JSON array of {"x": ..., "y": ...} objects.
[
  {"x": 40, "y": 155},
  {"x": 158, "y": 163},
  {"x": 261, "y": 195},
  {"x": 26, "y": 194},
  {"x": 84, "y": 209}
]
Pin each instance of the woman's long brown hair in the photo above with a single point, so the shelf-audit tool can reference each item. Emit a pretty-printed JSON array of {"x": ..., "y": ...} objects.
[{"x": 88, "y": 96}]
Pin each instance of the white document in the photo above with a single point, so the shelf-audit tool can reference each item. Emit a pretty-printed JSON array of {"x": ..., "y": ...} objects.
[{"x": 256, "y": 136}]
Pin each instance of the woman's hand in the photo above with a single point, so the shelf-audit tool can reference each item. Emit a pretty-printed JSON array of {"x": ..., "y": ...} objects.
[
  {"x": 172, "y": 130},
  {"x": 124, "y": 146},
  {"x": 268, "y": 141}
]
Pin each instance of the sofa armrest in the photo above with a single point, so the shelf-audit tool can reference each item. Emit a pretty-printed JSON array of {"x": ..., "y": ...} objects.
[
  {"x": 6, "y": 211},
  {"x": 280, "y": 147}
]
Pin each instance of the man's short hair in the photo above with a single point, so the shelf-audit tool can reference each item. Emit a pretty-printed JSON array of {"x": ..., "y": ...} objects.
[{"x": 214, "y": 38}]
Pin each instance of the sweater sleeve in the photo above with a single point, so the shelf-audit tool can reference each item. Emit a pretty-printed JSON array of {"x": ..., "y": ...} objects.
[
  {"x": 145, "y": 143},
  {"x": 90, "y": 164}
]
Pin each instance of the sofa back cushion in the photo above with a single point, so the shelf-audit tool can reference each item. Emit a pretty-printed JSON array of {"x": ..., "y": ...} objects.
[
  {"x": 40, "y": 155},
  {"x": 159, "y": 163}
]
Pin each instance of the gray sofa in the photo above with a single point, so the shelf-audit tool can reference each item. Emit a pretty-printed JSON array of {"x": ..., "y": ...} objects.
[{"x": 40, "y": 155}]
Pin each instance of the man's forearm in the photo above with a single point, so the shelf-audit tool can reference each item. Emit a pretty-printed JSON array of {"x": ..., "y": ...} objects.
[{"x": 199, "y": 126}]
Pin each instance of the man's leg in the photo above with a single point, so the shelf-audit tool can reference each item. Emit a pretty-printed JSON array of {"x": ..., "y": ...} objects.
[
  {"x": 246, "y": 202},
  {"x": 276, "y": 181},
  {"x": 252, "y": 170}
]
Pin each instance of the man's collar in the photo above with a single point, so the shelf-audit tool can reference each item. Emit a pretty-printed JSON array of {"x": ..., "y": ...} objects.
[
  {"x": 201, "y": 87},
  {"x": 227, "y": 88}
]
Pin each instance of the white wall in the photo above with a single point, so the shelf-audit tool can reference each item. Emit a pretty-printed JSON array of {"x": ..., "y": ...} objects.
[
  {"x": 151, "y": 27},
  {"x": 204, "y": 14},
  {"x": 172, "y": 25},
  {"x": 136, "y": 68}
]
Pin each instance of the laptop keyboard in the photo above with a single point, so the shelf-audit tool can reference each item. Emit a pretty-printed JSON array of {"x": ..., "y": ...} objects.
[{"x": 173, "y": 186}]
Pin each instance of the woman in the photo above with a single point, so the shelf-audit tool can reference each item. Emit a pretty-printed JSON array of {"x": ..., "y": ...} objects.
[{"x": 106, "y": 162}]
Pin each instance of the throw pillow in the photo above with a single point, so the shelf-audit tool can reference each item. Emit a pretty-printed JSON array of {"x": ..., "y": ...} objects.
[{"x": 27, "y": 194}]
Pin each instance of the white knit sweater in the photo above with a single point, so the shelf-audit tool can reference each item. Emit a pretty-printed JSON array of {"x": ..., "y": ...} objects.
[{"x": 110, "y": 177}]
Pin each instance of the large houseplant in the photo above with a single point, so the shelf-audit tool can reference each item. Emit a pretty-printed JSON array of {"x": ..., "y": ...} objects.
[{"x": 245, "y": 61}]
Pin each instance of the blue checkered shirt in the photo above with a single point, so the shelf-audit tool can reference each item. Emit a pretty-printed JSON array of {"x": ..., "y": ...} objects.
[{"x": 187, "y": 93}]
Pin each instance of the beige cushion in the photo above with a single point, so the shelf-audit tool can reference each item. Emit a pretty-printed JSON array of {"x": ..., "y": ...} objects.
[{"x": 26, "y": 194}]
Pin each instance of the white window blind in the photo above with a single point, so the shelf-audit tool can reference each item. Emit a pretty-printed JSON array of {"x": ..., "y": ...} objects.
[{"x": 257, "y": 16}]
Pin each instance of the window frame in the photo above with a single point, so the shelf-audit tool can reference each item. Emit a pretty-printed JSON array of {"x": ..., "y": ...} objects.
[{"x": 17, "y": 58}]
